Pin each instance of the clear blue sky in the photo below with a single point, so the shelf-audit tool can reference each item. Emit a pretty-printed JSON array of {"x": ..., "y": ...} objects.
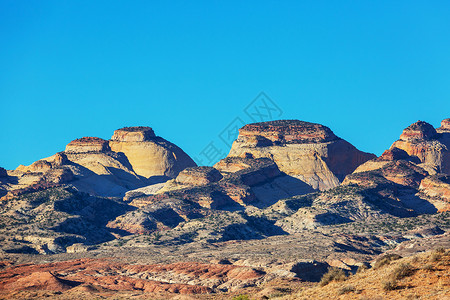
[{"x": 68, "y": 69}]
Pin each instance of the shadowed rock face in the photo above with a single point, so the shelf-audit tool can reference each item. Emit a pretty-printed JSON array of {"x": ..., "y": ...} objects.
[
  {"x": 308, "y": 151},
  {"x": 3, "y": 172},
  {"x": 393, "y": 154}
]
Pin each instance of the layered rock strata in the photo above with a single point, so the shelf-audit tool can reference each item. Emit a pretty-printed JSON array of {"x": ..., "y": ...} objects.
[{"x": 308, "y": 151}]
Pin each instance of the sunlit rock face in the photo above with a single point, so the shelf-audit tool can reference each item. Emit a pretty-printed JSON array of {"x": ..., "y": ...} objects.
[
  {"x": 308, "y": 151},
  {"x": 148, "y": 154},
  {"x": 430, "y": 146},
  {"x": 87, "y": 144}
]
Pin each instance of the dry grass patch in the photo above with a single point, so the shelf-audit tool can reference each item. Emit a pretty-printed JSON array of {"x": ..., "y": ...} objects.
[
  {"x": 333, "y": 274},
  {"x": 385, "y": 260}
]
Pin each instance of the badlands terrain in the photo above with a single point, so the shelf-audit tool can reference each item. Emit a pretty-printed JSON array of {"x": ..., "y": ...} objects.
[{"x": 292, "y": 212}]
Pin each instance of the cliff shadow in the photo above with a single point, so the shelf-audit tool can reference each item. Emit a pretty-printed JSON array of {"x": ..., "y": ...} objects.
[{"x": 281, "y": 187}]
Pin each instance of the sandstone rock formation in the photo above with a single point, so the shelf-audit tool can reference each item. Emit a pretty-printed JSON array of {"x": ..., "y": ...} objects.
[
  {"x": 135, "y": 157},
  {"x": 244, "y": 181},
  {"x": 437, "y": 187},
  {"x": 87, "y": 144},
  {"x": 422, "y": 141},
  {"x": 148, "y": 154},
  {"x": 190, "y": 177},
  {"x": 445, "y": 126},
  {"x": 310, "y": 152}
]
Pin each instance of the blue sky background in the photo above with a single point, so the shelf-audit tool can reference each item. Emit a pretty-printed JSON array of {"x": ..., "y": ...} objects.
[{"x": 366, "y": 69}]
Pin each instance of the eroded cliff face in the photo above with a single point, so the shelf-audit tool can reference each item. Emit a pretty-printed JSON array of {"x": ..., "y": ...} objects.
[
  {"x": 430, "y": 146},
  {"x": 148, "y": 154},
  {"x": 414, "y": 170},
  {"x": 310, "y": 152}
]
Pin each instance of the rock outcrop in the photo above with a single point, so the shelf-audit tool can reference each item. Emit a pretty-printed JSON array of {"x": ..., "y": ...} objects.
[
  {"x": 87, "y": 144},
  {"x": 422, "y": 141},
  {"x": 418, "y": 131},
  {"x": 310, "y": 152},
  {"x": 198, "y": 176},
  {"x": 445, "y": 126},
  {"x": 242, "y": 181},
  {"x": 3, "y": 172},
  {"x": 437, "y": 187},
  {"x": 134, "y": 158},
  {"x": 148, "y": 154}
]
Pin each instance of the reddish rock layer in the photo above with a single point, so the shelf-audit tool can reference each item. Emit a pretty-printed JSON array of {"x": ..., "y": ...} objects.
[
  {"x": 393, "y": 154},
  {"x": 418, "y": 131},
  {"x": 176, "y": 278},
  {"x": 133, "y": 134},
  {"x": 87, "y": 144},
  {"x": 287, "y": 131},
  {"x": 445, "y": 125}
]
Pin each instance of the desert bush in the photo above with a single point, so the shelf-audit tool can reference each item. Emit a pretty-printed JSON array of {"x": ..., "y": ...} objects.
[
  {"x": 346, "y": 289},
  {"x": 401, "y": 271},
  {"x": 241, "y": 297},
  {"x": 385, "y": 260},
  {"x": 362, "y": 268},
  {"x": 440, "y": 250},
  {"x": 389, "y": 285},
  {"x": 435, "y": 256},
  {"x": 333, "y": 274}
]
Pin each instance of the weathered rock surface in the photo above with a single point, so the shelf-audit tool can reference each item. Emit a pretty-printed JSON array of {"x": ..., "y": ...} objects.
[
  {"x": 310, "y": 152},
  {"x": 422, "y": 141},
  {"x": 255, "y": 181},
  {"x": 133, "y": 134},
  {"x": 148, "y": 154},
  {"x": 437, "y": 187},
  {"x": 177, "y": 278},
  {"x": 136, "y": 158},
  {"x": 87, "y": 144},
  {"x": 418, "y": 131},
  {"x": 194, "y": 176},
  {"x": 445, "y": 126}
]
